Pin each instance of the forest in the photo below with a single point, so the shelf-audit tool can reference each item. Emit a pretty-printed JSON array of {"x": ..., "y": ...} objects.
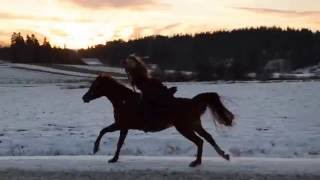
[
  {"x": 29, "y": 50},
  {"x": 212, "y": 55},
  {"x": 218, "y": 54}
]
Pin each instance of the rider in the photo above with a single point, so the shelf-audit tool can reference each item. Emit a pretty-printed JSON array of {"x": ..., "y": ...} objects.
[{"x": 156, "y": 97}]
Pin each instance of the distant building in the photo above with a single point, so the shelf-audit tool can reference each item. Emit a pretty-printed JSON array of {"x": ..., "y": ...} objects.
[
  {"x": 91, "y": 61},
  {"x": 152, "y": 67},
  {"x": 251, "y": 75},
  {"x": 317, "y": 70},
  {"x": 277, "y": 65}
]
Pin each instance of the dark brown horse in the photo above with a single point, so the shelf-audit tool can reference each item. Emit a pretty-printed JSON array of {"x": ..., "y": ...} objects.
[{"x": 184, "y": 115}]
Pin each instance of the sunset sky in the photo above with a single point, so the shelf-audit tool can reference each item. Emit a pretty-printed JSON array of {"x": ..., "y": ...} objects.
[{"x": 82, "y": 23}]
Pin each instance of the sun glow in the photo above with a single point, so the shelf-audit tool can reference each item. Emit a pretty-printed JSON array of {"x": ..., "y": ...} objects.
[
  {"x": 79, "y": 24},
  {"x": 77, "y": 35}
]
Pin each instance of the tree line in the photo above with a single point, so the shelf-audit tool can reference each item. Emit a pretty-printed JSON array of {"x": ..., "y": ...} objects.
[
  {"x": 29, "y": 50},
  {"x": 212, "y": 55},
  {"x": 219, "y": 54}
]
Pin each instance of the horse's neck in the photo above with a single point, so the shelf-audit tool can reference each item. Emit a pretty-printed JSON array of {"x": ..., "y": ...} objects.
[{"x": 121, "y": 95}]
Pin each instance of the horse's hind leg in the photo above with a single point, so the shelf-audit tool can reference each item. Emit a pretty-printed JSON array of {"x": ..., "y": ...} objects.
[
  {"x": 123, "y": 135},
  {"x": 113, "y": 127},
  {"x": 189, "y": 134},
  {"x": 203, "y": 133}
]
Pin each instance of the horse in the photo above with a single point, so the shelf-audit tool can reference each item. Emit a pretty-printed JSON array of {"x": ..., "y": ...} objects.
[{"x": 184, "y": 115}]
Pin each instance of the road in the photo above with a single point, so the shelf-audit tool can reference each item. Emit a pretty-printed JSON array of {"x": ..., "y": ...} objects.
[{"x": 142, "y": 167}]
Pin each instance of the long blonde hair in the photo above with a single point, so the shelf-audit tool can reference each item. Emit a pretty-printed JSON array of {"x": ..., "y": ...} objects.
[{"x": 136, "y": 69}]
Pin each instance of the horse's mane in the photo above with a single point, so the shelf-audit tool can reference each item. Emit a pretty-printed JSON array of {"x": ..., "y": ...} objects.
[{"x": 108, "y": 77}]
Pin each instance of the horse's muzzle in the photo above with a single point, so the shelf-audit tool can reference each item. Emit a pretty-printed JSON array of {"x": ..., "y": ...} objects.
[{"x": 86, "y": 98}]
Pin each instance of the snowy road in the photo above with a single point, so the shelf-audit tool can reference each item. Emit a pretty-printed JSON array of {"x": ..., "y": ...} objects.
[{"x": 142, "y": 167}]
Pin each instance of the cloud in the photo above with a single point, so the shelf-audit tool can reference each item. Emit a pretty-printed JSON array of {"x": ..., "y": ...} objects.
[
  {"x": 58, "y": 32},
  {"x": 140, "y": 31},
  {"x": 11, "y": 16},
  {"x": 291, "y": 13},
  {"x": 317, "y": 22},
  {"x": 120, "y": 4},
  {"x": 25, "y": 32},
  {"x": 167, "y": 28},
  {"x": 2, "y": 33},
  {"x": 3, "y": 43}
]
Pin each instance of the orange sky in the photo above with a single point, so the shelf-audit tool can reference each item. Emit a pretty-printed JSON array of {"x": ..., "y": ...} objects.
[{"x": 81, "y": 23}]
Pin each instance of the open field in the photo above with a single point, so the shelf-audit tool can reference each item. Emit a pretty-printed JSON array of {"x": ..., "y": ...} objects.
[
  {"x": 46, "y": 111},
  {"x": 42, "y": 113}
]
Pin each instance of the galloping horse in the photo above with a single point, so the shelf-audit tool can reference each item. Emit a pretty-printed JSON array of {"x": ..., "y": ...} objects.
[{"x": 184, "y": 115}]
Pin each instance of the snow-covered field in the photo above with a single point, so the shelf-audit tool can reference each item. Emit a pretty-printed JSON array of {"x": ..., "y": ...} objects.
[
  {"x": 11, "y": 76},
  {"x": 100, "y": 68},
  {"x": 50, "y": 70},
  {"x": 43, "y": 114}
]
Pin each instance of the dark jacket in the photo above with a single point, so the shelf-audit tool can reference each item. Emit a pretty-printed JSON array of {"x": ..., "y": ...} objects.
[{"x": 154, "y": 92}]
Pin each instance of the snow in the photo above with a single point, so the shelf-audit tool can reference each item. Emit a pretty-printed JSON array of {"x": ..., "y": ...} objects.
[
  {"x": 29, "y": 73},
  {"x": 310, "y": 69},
  {"x": 13, "y": 76},
  {"x": 91, "y": 61},
  {"x": 43, "y": 114},
  {"x": 100, "y": 68},
  {"x": 51, "y": 70},
  {"x": 302, "y": 73},
  {"x": 277, "y": 132},
  {"x": 297, "y": 75},
  {"x": 173, "y": 164},
  {"x": 142, "y": 167}
]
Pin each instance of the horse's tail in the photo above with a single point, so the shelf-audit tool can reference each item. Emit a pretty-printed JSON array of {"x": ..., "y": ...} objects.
[{"x": 212, "y": 100}]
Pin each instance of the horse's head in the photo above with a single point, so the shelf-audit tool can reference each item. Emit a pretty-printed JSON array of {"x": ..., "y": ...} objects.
[{"x": 99, "y": 87}]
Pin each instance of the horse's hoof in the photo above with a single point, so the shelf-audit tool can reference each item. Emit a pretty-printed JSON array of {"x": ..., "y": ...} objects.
[
  {"x": 95, "y": 149},
  {"x": 194, "y": 163},
  {"x": 226, "y": 157},
  {"x": 113, "y": 160}
]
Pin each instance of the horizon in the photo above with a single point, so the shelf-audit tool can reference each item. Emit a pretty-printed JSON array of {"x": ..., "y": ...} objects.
[
  {"x": 79, "y": 24},
  {"x": 169, "y": 36}
]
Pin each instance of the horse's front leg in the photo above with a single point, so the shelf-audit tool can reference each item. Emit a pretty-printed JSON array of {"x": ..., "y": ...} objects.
[
  {"x": 113, "y": 127},
  {"x": 122, "y": 137}
]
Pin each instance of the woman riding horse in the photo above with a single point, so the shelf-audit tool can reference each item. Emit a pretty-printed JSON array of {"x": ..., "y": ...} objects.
[
  {"x": 156, "y": 97},
  {"x": 184, "y": 114},
  {"x": 157, "y": 110}
]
